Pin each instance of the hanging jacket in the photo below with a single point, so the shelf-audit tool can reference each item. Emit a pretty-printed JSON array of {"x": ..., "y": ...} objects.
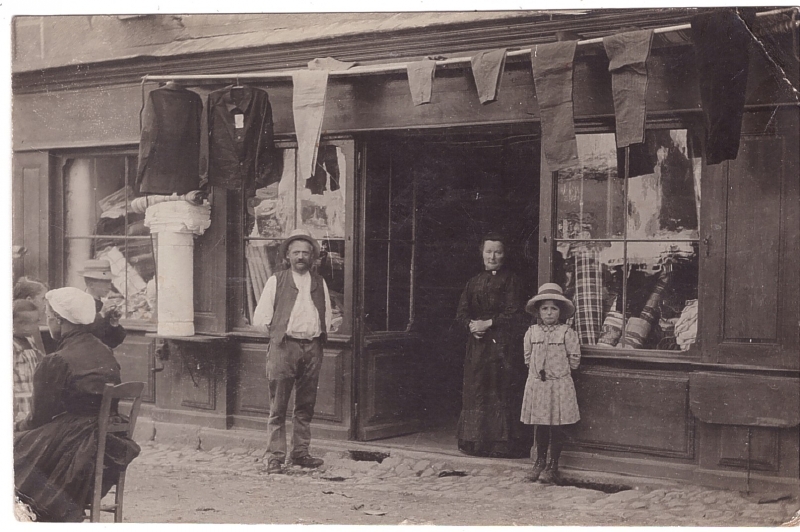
[
  {"x": 243, "y": 156},
  {"x": 169, "y": 149}
]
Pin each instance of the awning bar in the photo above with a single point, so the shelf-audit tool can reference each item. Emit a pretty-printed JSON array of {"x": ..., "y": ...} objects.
[{"x": 388, "y": 68}]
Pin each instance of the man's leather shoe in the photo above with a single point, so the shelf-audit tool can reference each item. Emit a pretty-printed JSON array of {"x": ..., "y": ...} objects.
[
  {"x": 308, "y": 461},
  {"x": 274, "y": 467}
]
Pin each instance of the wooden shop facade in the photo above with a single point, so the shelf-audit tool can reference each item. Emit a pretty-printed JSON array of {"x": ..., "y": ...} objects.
[{"x": 691, "y": 355}]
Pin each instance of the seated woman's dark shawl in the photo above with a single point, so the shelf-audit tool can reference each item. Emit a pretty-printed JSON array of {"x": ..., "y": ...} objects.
[{"x": 54, "y": 453}]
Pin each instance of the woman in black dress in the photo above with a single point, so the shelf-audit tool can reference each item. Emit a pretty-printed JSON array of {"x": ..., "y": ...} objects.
[
  {"x": 55, "y": 452},
  {"x": 490, "y": 310}
]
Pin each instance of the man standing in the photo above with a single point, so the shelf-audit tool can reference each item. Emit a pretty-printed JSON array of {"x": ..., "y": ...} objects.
[
  {"x": 294, "y": 311},
  {"x": 97, "y": 277}
]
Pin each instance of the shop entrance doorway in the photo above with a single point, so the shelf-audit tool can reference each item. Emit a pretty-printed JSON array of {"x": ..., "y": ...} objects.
[{"x": 428, "y": 200}]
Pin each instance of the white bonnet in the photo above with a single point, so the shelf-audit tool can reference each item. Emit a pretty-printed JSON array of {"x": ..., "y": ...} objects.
[{"x": 72, "y": 304}]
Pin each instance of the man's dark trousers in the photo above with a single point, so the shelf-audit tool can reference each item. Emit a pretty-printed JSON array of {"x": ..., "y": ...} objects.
[{"x": 292, "y": 364}]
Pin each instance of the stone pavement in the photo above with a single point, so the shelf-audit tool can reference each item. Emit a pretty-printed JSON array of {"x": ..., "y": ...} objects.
[{"x": 418, "y": 474}]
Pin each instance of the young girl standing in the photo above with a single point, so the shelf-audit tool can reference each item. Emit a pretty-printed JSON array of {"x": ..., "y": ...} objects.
[{"x": 552, "y": 349}]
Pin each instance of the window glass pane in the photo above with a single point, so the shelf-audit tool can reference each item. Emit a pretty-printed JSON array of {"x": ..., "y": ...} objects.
[
  {"x": 261, "y": 262},
  {"x": 132, "y": 263},
  {"x": 97, "y": 203},
  {"x": 270, "y": 213},
  {"x": 375, "y": 286},
  {"x": 663, "y": 192},
  {"x": 316, "y": 204},
  {"x": 321, "y": 199},
  {"x": 640, "y": 292},
  {"x": 590, "y": 196},
  {"x": 661, "y": 287}
]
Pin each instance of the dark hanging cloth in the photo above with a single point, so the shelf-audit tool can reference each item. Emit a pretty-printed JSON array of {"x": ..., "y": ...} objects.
[
  {"x": 627, "y": 54},
  {"x": 487, "y": 69},
  {"x": 327, "y": 165},
  {"x": 55, "y": 452},
  {"x": 241, "y": 146},
  {"x": 552, "y": 76},
  {"x": 642, "y": 159},
  {"x": 169, "y": 149},
  {"x": 494, "y": 369},
  {"x": 722, "y": 46}
]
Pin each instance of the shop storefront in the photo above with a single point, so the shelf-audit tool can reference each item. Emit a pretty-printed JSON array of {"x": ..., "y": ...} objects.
[{"x": 684, "y": 272}]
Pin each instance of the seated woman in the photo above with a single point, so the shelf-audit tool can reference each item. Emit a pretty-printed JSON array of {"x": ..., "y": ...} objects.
[{"x": 55, "y": 452}]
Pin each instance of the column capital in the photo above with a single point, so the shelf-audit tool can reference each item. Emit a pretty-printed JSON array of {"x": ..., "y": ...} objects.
[{"x": 178, "y": 217}]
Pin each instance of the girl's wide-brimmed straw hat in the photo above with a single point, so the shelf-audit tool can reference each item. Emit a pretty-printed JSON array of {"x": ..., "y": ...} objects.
[{"x": 551, "y": 292}]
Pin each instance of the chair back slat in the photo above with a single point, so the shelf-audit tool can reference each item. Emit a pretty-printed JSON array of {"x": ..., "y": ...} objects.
[{"x": 126, "y": 390}]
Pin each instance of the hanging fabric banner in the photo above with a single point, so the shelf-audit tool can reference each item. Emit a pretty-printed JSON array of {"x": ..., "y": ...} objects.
[
  {"x": 487, "y": 68},
  {"x": 308, "y": 104},
  {"x": 420, "y": 80},
  {"x": 627, "y": 54},
  {"x": 552, "y": 77},
  {"x": 722, "y": 47}
]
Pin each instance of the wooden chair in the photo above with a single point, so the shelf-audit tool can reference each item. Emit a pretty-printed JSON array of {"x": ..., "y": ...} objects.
[{"x": 126, "y": 390}]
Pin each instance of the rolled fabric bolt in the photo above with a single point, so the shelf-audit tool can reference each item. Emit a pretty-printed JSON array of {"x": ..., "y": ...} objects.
[
  {"x": 140, "y": 205},
  {"x": 636, "y": 332},
  {"x": 612, "y": 329}
]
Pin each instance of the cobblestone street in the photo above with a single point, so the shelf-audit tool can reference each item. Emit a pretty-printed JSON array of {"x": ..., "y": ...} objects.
[{"x": 177, "y": 484}]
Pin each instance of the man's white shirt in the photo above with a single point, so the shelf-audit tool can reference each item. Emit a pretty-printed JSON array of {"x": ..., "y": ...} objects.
[{"x": 304, "y": 319}]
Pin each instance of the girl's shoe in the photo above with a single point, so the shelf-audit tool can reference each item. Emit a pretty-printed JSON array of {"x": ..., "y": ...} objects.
[
  {"x": 538, "y": 467},
  {"x": 551, "y": 474}
]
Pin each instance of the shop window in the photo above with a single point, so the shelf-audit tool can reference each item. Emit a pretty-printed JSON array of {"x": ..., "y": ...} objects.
[
  {"x": 316, "y": 204},
  {"x": 626, "y": 249},
  {"x": 99, "y": 224}
]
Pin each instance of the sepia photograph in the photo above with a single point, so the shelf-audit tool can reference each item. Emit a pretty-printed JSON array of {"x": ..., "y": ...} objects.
[{"x": 436, "y": 265}]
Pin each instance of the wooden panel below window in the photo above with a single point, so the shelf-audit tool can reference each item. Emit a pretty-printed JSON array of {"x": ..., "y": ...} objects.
[
  {"x": 136, "y": 357},
  {"x": 752, "y": 260},
  {"x": 764, "y": 448},
  {"x": 329, "y": 391},
  {"x": 393, "y": 382},
  {"x": 634, "y": 411},
  {"x": 251, "y": 394}
]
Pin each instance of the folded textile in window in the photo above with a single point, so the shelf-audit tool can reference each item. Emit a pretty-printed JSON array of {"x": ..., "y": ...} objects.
[
  {"x": 627, "y": 54},
  {"x": 113, "y": 205},
  {"x": 420, "y": 80},
  {"x": 552, "y": 76},
  {"x": 487, "y": 69},
  {"x": 308, "y": 105},
  {"x": 686, "y": 326}
]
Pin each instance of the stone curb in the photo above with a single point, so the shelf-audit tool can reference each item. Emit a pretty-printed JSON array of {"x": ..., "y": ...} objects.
[{"x": 252, "y": 440}]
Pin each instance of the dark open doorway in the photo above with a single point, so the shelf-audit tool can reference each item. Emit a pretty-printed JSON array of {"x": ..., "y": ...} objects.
[{"x": 429, "y": 200}]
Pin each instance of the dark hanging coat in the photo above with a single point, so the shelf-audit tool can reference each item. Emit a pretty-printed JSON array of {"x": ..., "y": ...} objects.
[
  {"x": 169, "y": 149},
  {"x": 55, "y": 452},
  {"x": 241, "y": 157},
  {"x": 494, "y": 369}
]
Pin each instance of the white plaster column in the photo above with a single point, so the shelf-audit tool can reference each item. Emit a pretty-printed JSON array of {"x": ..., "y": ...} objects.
[{"x": 175, "y": 223}]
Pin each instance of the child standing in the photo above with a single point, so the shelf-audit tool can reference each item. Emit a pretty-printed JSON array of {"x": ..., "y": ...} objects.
[{"x": 552, "y": 350}]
